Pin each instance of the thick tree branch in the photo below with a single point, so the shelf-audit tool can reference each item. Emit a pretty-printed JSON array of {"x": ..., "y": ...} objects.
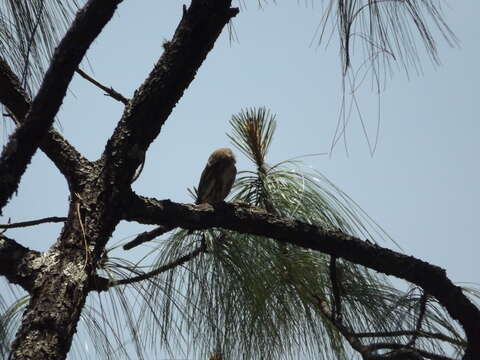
[
  {"x": 17, "y": 262},
  {"x": 109, "y": 91},
  {"x": 255, "y": 221},
  {"x": 23, "y": 143},
  {"x": 62, "y": 154},
  {"x": 52, "y": 219},
  {"x": 153, "y": 102}
]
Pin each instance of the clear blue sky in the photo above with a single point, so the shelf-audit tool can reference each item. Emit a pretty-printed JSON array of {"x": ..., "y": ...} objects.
[{"x": 421, "y": 185}]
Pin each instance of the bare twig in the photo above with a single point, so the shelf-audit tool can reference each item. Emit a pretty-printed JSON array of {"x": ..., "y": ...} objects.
[
  {"x": 400, "y": 347},
  {"x": 109, "y": 90},
  {"x": 103, "y": 284},
  {"x": 51, "y": 219},
  {"x": 147, "y": 236},
  {"x": 180, "y": 261},
  {"x": 425, "y": 334}
]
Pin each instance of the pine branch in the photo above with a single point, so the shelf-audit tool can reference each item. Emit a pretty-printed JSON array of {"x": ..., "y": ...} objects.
[
  {"x": 143, "y": 118},
  {"x": 103, "y": 284},
  {"x": 422, "y": 333},
  {"x": 58, "y": 150},
  {"x": 402, "y": 351},
  {"x": 259, "y": 222},
  {"x": 147, "y": 236},
  {"x": 25, "y": 140}
]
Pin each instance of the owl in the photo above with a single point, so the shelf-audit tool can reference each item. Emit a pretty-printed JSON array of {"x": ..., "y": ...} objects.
[{"x": 217, "y": 177}]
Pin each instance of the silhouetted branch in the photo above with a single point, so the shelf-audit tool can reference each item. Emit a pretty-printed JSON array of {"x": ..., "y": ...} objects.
[
  {"x": 62, "y": 154},
  {"x": 23, "y": 143},
  {"x": 199, "y": 28},
  {"x": 52, "y": 219},
  {"x": 109, "y": 91},
  {"x": 238, "y": 217},
  {"x": 103, "y": 284},
  {"x": 410, "y": 333},
  {"x": 147, "y": 236},
  {"x": 402, "y": 352}
]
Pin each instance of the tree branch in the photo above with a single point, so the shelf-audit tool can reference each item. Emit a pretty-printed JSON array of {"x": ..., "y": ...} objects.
[
  {"x": 103, "y": 284},
  {"x": 256, "y": 221},
  {"x": 402, "y": 351},
  {"x": 109, "y": 91},
  {"x": 422, "y": 333},
  {"x": 16, "y": 262},
  {"x": 23, "y": 143},
  {"x": 62, "y": 154},
  {"x": 52, "y": 219},
  {"x": 147, "y": 236},
  {"x": 153, "y": 102},
  {"x": 351, "y": 338}
]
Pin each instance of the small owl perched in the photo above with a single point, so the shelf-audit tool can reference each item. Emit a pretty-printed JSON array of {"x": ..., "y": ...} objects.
[{"x": 217, "y": 177}]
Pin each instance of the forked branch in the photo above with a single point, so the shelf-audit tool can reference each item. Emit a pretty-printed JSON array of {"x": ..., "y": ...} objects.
[
  {"x": 62, "y": 154},
  {"x": 23, "y": 143}
]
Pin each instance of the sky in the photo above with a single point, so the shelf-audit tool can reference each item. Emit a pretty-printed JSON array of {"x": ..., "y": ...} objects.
[{"x": 420, "y": 185}]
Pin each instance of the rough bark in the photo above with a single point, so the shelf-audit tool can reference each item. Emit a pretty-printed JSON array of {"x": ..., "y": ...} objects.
[
  {"x": 18, "y": 263},
  {"x": 60, "y": 279},
  {"x": 255, "y": 221},
  {"x": 25, "y": 140},
  {"x": 62, "y": 154},
  {"x": 65, "y": 273},
  {"x": 153, "y": 102}
]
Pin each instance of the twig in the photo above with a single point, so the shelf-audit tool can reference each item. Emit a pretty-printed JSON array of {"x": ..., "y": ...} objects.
[
  {"x": 400, "y": 347},
  {"x": 51, "y": 219},
  {"x": 109, "y": 91},
  {"x": 425, "y": 334},
  {"x": 349, "y": 335},
  {"x": 148, "y": 236},
  {"x": 180, "y": 261}
]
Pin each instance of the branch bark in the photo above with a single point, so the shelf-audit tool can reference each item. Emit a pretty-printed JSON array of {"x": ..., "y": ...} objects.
[
  {"x": 61, "y": 288},
  {"x": 17, "y": 263},
  {"x": 25, "y": 140},
  {"x": 153, "y": 102},
  {"x": 62, "y": 154},
  {"x": 255, "y": 221}
]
